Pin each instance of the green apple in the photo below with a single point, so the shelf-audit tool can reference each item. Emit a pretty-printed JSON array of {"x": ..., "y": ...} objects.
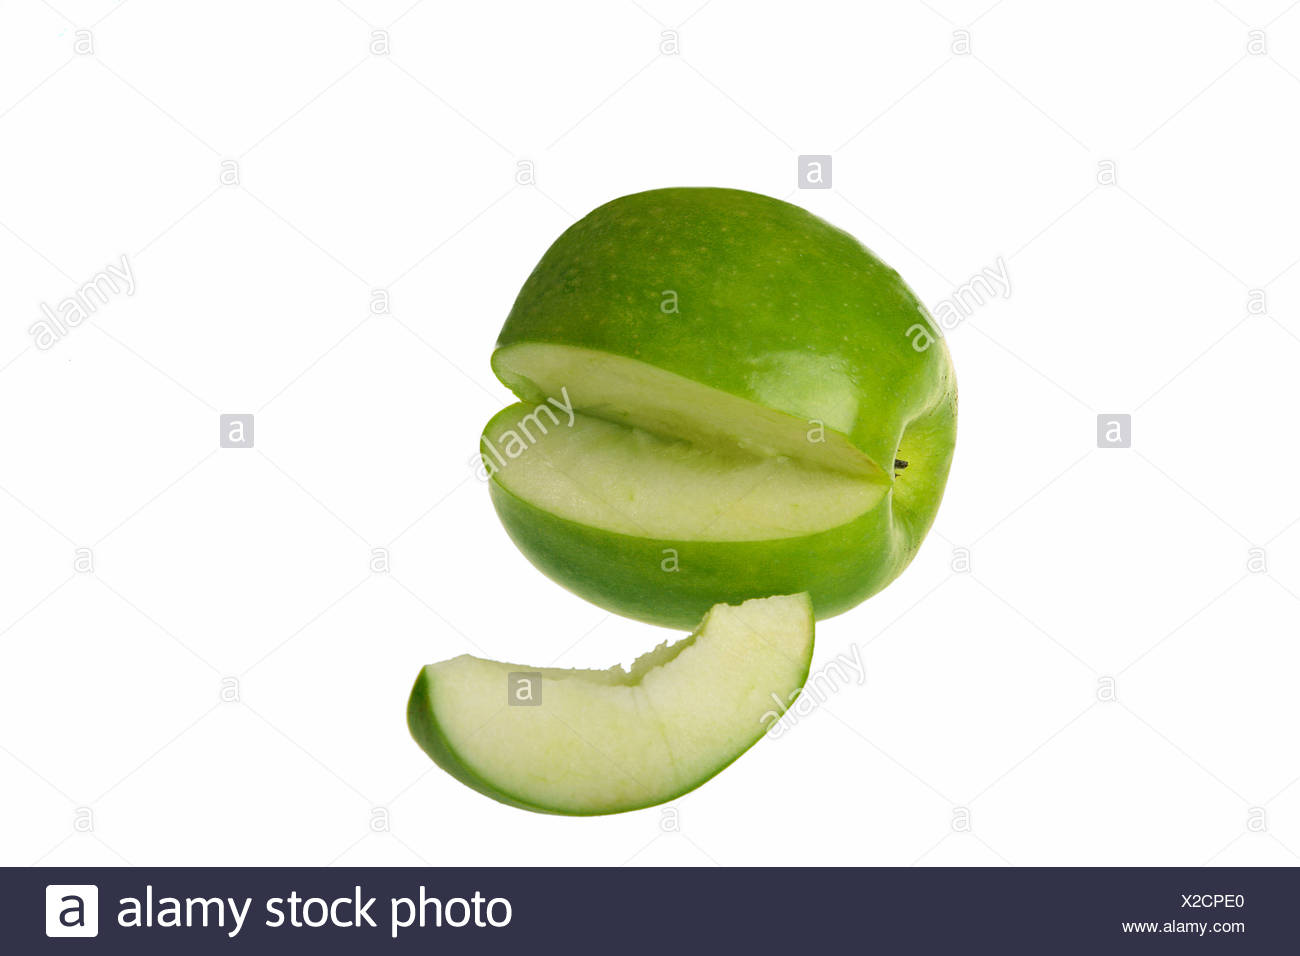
[
  {"x": 736, "y": 399},
  {"x": 588, "y": 742}
]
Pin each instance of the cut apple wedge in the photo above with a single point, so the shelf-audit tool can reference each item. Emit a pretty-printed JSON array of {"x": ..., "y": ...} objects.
[
  {"x": 636, "y": 393},
  {"x": 586, "y": 742},
  {"x": 662, "y": 529}
]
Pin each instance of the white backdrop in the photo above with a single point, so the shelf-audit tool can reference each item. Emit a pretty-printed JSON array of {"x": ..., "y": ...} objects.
[{"x": 1094, "y": 658}]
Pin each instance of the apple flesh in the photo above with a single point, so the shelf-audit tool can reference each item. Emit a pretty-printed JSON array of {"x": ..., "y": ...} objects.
[
  {"x": 595, "y": 742},
  {"x": 661, "y": 530},
  {"x": 768, "y": 343}
]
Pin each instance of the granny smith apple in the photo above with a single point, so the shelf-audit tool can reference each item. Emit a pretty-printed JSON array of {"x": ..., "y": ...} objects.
[
  {"x": 724, "y": 397},
  {"x": 586, "y": 742}
]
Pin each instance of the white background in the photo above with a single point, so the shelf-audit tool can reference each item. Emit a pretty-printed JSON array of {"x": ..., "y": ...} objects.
[{"x": 249, "y": 569}]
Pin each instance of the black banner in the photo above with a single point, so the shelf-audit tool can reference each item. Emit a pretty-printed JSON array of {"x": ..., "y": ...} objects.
[{"x": 168, "y": 910}]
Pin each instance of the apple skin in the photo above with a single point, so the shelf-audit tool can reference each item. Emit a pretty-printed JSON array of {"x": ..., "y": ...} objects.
[{"x": 774, "y": 306}]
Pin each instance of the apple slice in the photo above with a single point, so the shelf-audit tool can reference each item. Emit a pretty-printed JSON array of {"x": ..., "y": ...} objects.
[
  {"x": 661, "y": 530},
  {"x": 586, "y": 742}
]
